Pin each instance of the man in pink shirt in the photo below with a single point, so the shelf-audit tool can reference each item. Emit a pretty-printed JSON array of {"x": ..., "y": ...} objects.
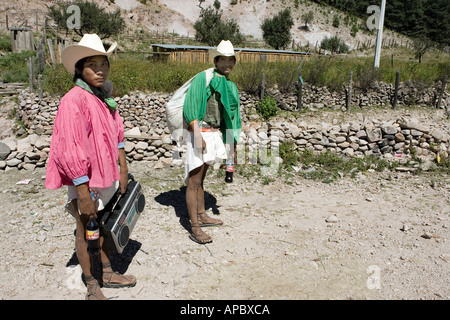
[{"x": 87, "y": 143}]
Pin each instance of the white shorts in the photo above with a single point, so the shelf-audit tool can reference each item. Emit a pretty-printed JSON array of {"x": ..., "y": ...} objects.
[
  {"x": 104, "y": 194},
  {"x": 215, "y": 151}
]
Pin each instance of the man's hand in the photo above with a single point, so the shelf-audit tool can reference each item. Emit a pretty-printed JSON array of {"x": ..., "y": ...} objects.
[
  {"x": 87, "y": 204},
  {"x": 123, "y": 182},
  {"x": 199, "y": 142}
]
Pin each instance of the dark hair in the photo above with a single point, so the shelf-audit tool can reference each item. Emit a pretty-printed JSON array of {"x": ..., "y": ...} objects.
[{"x": 79, "y": 68}]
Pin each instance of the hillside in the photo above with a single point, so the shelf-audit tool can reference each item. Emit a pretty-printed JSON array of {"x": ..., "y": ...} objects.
[{"x": 178, "y": 17}]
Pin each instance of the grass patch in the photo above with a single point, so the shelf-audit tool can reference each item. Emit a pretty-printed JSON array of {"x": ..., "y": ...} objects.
[
  {"x": 14, "y": 66},
  {"x": 327, "y": 166},
  {"x": 131, "y": 72}
]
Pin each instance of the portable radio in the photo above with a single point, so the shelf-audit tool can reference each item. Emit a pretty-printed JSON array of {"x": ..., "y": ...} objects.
[{"x": 121, "y": 214}]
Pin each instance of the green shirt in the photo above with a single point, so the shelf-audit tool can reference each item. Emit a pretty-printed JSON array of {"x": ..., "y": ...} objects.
[{"x": 196, "y": 100}]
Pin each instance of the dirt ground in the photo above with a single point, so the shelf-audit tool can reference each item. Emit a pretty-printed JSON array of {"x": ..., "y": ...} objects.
[{"x": 378, "y": 236}]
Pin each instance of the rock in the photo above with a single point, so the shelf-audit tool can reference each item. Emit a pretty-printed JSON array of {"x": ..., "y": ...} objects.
[
  {"x": 412, "y": 124},
  {"x": 438, "y": 135},
  {"x": 427, "y": 235},
  {"x": 4, "y": 151},
  {"x": 42, "y": 142},
  {"x": 373, "y": 134},
  {"x": 13, "y": 162},
  {"x": 332, "y": 219},
  {"x": 141, "y": 145},
  {"x": 133, "y": 132},
  {"x": 147, "y": 136}
]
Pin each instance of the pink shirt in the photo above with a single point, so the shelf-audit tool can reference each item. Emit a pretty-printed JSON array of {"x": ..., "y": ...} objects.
[{"x": 85, "y": 142}]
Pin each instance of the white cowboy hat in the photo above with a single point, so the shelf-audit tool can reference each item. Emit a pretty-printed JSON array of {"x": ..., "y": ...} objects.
[
  {"x": 89, "y": 45},
  {"x": 225, "y": 48}
]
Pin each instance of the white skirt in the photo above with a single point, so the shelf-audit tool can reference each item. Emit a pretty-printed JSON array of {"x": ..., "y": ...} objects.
[{"x": 215, "y": 151}]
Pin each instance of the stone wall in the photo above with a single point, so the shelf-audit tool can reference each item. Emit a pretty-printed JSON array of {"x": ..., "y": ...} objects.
[{"x": 148, "y": 138}]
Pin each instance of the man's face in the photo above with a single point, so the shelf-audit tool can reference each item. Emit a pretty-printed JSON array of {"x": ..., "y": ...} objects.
[{"x": 225, "y": 65}]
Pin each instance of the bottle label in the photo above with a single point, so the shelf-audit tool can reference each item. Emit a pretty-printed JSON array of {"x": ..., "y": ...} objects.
[
  {"x": 92, "y": 234},
  {"x": 230, "y": 168}
]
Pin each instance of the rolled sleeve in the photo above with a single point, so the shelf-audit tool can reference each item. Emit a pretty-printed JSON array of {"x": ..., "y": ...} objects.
[{"x": 80, "y": 180}]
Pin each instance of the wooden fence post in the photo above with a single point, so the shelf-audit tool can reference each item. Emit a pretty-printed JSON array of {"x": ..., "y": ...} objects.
[
  {"x": 41, "y": 90},
  {"x": 441, "y": 94},
  {"x": 395, "y": 98},
  {"x": 263, "y": 87},
  {"x": 31, "y": 72},
  {"x": 50, "y": 50},
  {"x": 349, "y": 93},
  {"x": 300, "y": 93}
]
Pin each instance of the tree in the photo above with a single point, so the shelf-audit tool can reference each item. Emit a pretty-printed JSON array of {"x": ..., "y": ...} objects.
[
  {"x": 93, "y": 19},
  {"x": 307, "y": 18},
  {"x": 414, "y": 19},
  {"x": 420, "y": 46},
  {"x": 276, "y": 31},
  {"x": 211, "y": 29},
  {"x": 437, "y": 20}
]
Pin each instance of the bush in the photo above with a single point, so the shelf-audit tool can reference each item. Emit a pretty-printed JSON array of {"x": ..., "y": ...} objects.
[
  {"x": 334, "y": 44},
  {"x": 367, "y": 76},
  {"x": 248, "y": 75},
  {"x": 336, "y": 21},
  {"x": 276, "y": 30},
  {"x": 267, "y": 108},
  {"x": 14, "y": 66},
  {"x": 288, "y": 154},
  {"x": 5, "y": 42}
]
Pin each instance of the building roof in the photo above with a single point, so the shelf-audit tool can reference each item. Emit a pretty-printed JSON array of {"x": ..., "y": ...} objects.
[{"x": 186, "y": 47}]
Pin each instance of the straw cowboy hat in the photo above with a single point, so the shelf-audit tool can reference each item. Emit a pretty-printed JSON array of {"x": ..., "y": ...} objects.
[
  {"x": 89, "y": 45},
  {"x": 225, "y": 48}
]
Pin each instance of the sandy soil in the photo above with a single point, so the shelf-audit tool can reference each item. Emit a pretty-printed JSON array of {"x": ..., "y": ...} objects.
[{"x": 380, "y": 236}]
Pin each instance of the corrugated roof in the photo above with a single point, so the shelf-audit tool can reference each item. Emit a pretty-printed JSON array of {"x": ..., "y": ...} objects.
[{"x": 186, "y": 47}]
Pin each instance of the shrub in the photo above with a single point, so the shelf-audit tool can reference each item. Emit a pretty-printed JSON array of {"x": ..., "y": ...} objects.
[
  {"x": 57, "y": 80},
  {"x": 288, "y": 154},
  {"x": 334, "y": 44},
  {"x": 267, "y": 108},
  {"x": 5, "y": 42},
  {"x": 14, "y": 66},
  {"x": 367, "y": 76},
  {"x": 248, "y": 75}
]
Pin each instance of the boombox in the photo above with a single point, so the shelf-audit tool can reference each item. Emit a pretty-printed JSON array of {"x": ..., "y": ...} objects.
[{"x": 121, "y": 214}]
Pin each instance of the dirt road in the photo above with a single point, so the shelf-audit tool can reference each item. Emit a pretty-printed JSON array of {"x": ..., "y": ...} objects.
[{"x": 379, "y": 236}]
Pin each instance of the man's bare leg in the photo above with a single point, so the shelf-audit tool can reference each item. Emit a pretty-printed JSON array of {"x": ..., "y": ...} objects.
[{"x": 195, "y": 200}]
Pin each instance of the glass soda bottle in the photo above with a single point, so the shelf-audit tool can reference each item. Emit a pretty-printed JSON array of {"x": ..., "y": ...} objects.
[
  {"x": 93, "y": 236},
  {"x": 229, "y": 171}
]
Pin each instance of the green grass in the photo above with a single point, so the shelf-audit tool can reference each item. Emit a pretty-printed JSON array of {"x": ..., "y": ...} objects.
[
  {"x": 14, "y": 66},
  {"x": 135, "y": 72}
]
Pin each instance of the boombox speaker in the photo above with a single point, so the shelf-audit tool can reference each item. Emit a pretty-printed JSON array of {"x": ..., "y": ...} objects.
[{"x": 121, "y": 214}]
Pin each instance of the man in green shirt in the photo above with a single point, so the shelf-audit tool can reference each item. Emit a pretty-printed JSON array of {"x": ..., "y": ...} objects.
[{"x": 213, "y": 115}]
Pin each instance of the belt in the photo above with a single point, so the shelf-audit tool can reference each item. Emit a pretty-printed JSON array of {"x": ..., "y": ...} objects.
[{"x": 211, "y": 129}]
